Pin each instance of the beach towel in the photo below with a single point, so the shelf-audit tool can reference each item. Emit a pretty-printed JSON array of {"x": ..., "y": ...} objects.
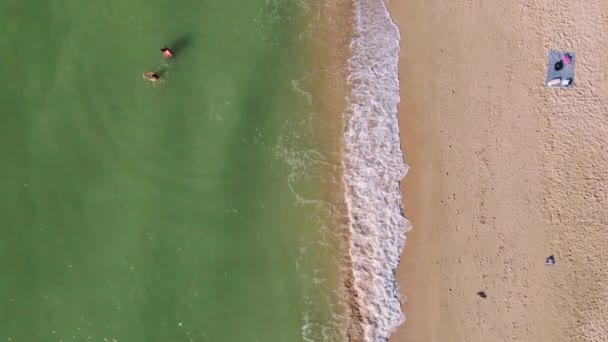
[{"x": 560, "y": 69}]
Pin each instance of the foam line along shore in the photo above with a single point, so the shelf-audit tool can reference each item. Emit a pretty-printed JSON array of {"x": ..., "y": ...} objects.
[{"x": 374, "y": 166}]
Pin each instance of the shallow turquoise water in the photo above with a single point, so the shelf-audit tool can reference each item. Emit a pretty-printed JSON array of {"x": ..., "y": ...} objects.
[{"x": 140, "y": 212}]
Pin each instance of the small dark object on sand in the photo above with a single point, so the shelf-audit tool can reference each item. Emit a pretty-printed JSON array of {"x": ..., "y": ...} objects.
[
  {"x": 482, "y": 294},
  {"x": 559, "y": 65},
  {"x": 550, "y": 261}
]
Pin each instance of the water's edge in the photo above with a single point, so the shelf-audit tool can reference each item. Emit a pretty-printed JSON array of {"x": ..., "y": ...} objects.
[{"x": 374, "y": 165}]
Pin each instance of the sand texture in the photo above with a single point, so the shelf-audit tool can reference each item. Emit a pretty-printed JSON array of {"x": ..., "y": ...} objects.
[{"x": 504, "y": 171}]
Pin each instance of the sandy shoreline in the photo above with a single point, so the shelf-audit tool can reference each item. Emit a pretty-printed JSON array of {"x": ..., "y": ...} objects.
[
  {"x": 504, "y": 172},
  {"x": 333, "y": 29}
]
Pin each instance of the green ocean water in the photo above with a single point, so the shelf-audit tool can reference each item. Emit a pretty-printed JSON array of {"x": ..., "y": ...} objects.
[{"x": 133, "y": 211}]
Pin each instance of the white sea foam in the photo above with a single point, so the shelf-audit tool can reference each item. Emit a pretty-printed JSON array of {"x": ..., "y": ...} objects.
[{"x": 373, "y": 168}]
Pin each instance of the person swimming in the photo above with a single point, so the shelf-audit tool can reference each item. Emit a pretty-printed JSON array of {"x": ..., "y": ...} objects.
[
  {"x": 167, "y": 53},
  {"x": 151, "y": 76}
]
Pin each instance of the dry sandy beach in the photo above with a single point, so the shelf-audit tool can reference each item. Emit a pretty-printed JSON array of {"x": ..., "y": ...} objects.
[{"x": 504, "y": 171}]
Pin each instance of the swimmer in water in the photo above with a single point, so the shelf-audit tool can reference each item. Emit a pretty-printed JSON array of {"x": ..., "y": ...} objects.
[
  {"x": 167, "y": 53},
  {"x": 151, "y": 76}
]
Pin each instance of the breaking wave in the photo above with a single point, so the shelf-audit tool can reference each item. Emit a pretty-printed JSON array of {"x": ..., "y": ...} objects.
[{"x": 373, "y": 168}]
